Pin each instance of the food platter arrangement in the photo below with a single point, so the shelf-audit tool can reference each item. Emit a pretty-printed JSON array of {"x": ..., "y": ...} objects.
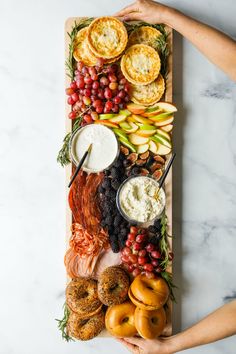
[{"x": 119, "y": 213}]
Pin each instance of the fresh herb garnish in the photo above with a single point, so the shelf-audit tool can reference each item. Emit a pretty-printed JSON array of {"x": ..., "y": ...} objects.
[
  {"x": 164, "y": 246},
  {"x": 63, "y": 323},
  {"x": 168, "y": 278},
  {"x": 63, "y": 156}
]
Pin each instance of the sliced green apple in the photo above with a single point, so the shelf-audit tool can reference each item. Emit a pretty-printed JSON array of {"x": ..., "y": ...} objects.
[
  {"x": 107, "y": 123},
  {"x": 124, "y": 112},
  {"x": 167, "y": 128},
  {"x": 146, "y": 126},
  {"x": 125, "y": 125},
  {"x": 107, "y": 115},
  {"x": 153, "y": 146},
  {"x": 118, "y": 119},
  {"x": 163, "y": 150},
  {"x": 141, "y": 119},
  {"x": 160, "y": 116},
  {"x": 120, "y": 133},
  {"x": 145, "y": 133},
  {"x": 158, "y": 108},
  {"x": 164, "y": 121},
  {"x": 167, "y": 107},
  {"x": 142, "y": 148},
  {"x": 161, "y": 140},
  {"x": 163, "y": 134},
  {"x": 137, "y": 139},
  {"x": 131, "y": 129},
  {"x": 136, "y": 108},
  {"x": 128, "y": 144}
]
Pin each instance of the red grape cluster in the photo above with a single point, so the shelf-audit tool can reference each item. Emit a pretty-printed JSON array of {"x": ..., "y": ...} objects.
[
  {"x": 97, "y": 89},
  {"x": 140, "y": 255}
]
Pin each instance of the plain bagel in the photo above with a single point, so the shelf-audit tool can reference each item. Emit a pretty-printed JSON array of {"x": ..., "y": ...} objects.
[
  {"x": 150, "y": 324},
  {"x": 119, "y": 320},
  {"x": 149, "y": 294}
]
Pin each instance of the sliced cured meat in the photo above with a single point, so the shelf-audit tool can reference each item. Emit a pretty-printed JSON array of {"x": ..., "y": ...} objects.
[
  {"x": 85, "y": 250},
  {"x": 75, "y": 196},
  {"x": 91, "y": 212}
]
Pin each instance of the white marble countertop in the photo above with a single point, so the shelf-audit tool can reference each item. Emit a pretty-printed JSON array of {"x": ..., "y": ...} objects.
[{"x": 32, "y": 197}]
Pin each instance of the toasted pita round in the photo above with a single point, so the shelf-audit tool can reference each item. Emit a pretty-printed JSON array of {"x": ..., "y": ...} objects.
[
  {"x": 147, "y": 95},
  {"x": 81, "y": 49},
  {"x": 140, "y": 64},
  {"x": 107, "y": 37},
  {"x": 144, "y": 35}
]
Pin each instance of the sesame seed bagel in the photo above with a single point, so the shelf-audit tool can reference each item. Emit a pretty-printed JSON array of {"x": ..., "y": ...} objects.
[
  {"x": 82, "y": 297},
  {"x": 113, "y": 286},
  {"x": 87, "y": 328}
]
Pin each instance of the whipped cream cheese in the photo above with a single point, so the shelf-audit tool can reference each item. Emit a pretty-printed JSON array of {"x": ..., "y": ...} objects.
[
  {"x": 139, "y": 200},
  {"x": 104, "y": 149}
]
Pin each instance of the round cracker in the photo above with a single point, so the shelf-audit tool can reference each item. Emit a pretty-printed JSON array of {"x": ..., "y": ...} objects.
[
  {"x": 147, "y": 95},
  {"x": 140, "y": 64},
  {"x": 81, "y": 49},
  {"x": 144, "y": 35},
  {"x": 107, "y": 37}
]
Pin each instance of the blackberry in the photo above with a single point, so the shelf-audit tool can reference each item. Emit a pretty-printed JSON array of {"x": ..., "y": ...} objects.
[
  {"x": 115, "y": 172},
  {"x": 114, "y": 245},
  {"x": 103, "y": 223},
  {"x": 117, "y": 163},
  {"x": 157, "y": 224},
  {"x": 123, "y": 232},
  {"x": 109, "y": 220},
  {"x": 108, "y": 193},
  {"x": 112, "y": 195},
  {"x": 152, "y": 229},
  {"x": 101, "y": 189},
  {"x": 115, "y": 184},
  {"x": 110, "y": 230},
  {"x": 117, "y": 220},
  {"x": 107, "y": 172},
  {"x": 106, "y": 183},
  {"x": 154, "y": 240}
]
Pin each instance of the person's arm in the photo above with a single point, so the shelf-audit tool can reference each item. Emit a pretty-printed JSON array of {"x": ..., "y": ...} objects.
[
  {"x": 218, "y": 325},
  {"x": 219, "y": 48}
]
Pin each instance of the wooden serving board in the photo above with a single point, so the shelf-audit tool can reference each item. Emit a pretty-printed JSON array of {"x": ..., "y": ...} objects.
[{"x": 168, "y": 183}]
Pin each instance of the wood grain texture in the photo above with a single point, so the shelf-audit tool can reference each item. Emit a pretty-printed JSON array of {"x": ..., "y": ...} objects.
[{"x": 168, "y": 183}]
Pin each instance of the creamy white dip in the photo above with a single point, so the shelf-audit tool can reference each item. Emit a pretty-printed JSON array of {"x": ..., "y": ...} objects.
[
  {"x": 139, "y": 200},
  {"x": 104, "y": 149}
]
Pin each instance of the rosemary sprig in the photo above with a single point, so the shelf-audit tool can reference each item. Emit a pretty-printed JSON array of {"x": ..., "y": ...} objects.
[
  {"x": 168, "y": 278},
  {"x": 63, "y": 156},
  {"x": 164, "y": 247},
  {"x": 163, "y": 50},
  {"x": 63, "y": 323},
  {"x": 70, "y": 62}
]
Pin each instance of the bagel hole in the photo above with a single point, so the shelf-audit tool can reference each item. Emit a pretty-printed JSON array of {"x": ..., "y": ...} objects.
[
  {"x": 125, "y": 319},
  {"x": 83, "y": 322},
  {"x": 83, "y": 295},
  {"x": 113, "y": 287},
  {"x": 154, "y": 320},
  {"x": 149, "y": 287}
]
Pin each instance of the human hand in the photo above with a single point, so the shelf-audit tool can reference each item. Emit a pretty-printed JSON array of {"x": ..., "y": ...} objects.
[
  {"x": 145, "y": 10},
  {"x": 146, "y": 346}
]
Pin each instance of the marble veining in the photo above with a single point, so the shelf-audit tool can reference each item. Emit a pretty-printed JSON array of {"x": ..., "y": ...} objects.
[{"x": 32, "y": 197}]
